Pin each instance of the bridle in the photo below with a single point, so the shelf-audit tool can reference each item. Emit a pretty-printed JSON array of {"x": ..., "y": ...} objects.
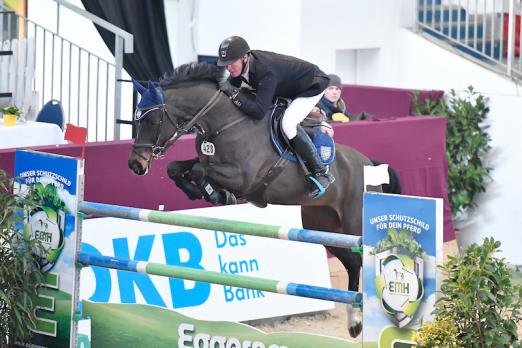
[{"x": 157, "y": 149}]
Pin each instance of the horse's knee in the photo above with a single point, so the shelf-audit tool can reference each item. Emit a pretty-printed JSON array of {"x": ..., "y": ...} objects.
[
  {"x": 175, "y": 169},
  {"x": 197, "y": 173}
]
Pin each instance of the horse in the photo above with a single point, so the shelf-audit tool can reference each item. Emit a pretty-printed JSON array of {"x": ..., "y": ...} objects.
[{"x": 241, "y": 158}]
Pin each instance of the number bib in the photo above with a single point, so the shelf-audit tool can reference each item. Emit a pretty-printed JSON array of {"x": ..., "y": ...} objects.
[{"x": 208, "y": 148}]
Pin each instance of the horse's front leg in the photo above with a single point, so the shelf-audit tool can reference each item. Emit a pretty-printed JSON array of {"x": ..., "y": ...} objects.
[
  {"x": 190, "y": 177},
  {"x": 212, "y": 192},
  {"x": 178, "y": 171}
]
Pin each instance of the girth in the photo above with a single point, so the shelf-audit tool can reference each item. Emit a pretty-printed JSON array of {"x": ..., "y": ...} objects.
[{"x": 259, "y": 189}]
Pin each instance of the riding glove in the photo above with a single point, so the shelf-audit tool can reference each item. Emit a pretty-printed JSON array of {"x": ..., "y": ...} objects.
[{"x": 227, "y": 88}]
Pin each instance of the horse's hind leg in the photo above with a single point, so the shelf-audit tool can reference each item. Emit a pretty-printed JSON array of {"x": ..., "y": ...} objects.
[
  {"x": 326, "y": 219},
  {"x": 352, "y": 262},
  {"x": 351, "y": 223}
]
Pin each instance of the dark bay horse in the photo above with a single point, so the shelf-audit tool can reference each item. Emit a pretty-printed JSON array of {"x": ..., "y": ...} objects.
[{"x": 244, "y": 155}]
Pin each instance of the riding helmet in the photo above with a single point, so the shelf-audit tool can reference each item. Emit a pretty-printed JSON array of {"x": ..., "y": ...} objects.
[{"x": 231, "y": 49}]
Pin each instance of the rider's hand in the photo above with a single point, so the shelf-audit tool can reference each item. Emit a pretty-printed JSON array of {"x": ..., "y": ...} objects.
[{"x": 228, "y": 89}]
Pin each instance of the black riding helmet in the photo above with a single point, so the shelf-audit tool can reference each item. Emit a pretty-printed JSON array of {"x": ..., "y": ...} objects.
[{"x": 231, "y": 49}]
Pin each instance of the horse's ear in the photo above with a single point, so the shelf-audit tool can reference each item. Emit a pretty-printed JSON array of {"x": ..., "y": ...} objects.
[
  {"x": 154, "y": 93},
  {"x": 138, "y": 87}
]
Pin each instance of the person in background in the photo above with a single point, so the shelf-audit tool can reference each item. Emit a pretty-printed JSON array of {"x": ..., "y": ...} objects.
[
  {"x": 275, "y": 75},
  {"x": 331, "y": 104}
]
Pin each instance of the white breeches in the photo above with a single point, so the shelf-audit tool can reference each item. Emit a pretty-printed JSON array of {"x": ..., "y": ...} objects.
[{"x": 296, "y": 112}]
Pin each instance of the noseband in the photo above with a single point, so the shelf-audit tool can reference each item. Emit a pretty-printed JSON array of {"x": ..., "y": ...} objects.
[{"x": 157, "y": 149}]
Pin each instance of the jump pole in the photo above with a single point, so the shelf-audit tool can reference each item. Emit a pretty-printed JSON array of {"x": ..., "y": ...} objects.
[
  {"x": 255, "y": 283},
  {"x": 214, "y": 224}
]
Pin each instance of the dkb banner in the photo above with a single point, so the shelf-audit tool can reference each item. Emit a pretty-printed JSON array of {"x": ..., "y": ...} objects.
[{"x": 402, "y": 247}]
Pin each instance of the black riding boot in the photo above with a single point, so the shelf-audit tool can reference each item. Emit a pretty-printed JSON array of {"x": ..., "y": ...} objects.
[{"x": 305, "y": 148}]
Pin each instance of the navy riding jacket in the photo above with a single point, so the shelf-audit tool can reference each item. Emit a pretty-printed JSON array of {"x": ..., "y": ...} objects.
[{"x": 276, "y": 75}]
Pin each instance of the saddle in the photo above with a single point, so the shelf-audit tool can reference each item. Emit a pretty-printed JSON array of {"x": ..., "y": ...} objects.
[
  {"x": 324, "y": 144},
  {"x": 325, "y": 147}
]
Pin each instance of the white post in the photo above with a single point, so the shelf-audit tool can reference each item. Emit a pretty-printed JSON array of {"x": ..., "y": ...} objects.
[
  {"x": 118, "y": 55},
  {"x": 1, "y": 22},
  {"x": 511, "y": 38},
  {"x": 11, "y": 85},
  {"x": 416, "y": 16}
]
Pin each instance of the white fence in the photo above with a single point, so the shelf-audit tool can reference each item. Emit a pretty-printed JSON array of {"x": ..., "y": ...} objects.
[
  {"x": 88, "y": 86},
  {"x": 17, "y": 75}
]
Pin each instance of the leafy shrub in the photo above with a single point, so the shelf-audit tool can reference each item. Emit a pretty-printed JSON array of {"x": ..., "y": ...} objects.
[
  {"x": 438, "y": 334},
  {"x": 479, "y": 299},
  {"x": 467, "y": 143},
  {"x": 19, "y": 271}
]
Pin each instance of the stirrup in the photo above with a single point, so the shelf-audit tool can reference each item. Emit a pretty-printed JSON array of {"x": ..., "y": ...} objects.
[{"x": 319, "y": 189}]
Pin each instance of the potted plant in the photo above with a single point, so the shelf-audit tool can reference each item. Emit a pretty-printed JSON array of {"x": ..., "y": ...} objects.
[
  {"x": 11, "y": 114},
  {"x": 20, "y": 273},
  {"x": 13, "y": 110}
]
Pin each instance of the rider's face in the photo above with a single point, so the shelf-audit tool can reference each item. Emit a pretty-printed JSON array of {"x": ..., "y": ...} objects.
[{"x": 235, "y": 69}]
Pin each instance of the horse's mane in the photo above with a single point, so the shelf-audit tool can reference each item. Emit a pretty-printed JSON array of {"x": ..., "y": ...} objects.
[{"x": 192, "y": 72}]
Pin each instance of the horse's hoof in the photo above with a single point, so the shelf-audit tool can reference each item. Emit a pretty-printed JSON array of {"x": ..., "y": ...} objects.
[
  {"x": 227, "y": 197},
  {"x": 355, "y": 330}
]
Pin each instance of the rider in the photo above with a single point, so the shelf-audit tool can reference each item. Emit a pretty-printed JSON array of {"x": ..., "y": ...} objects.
[{"x": 276, "y": 75}]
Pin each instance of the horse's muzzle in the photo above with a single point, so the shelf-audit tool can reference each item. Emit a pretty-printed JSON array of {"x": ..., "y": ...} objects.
[{"x": 136, "y": 166}]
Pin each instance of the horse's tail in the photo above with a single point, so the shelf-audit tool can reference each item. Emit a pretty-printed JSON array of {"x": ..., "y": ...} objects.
[{"x": 395, "y": 183}]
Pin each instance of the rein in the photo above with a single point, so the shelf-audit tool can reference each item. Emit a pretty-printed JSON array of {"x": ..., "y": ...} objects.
[
  {"x": 158, "y": 151},
  {"x": 214, "y": 134},
  {"x": 185, "y": 128}
]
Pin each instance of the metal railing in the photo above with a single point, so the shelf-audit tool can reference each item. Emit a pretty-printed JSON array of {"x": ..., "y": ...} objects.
[
  {"x": 488, "y": 30},
  {"x": 88, "y": 86}
]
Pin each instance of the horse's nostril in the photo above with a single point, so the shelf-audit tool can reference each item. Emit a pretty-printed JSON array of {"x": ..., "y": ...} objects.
[{"x": 136, "y": 167}]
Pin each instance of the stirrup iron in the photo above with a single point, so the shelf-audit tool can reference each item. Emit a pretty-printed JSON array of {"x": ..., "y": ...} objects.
[{"x": 320, "y": 188}]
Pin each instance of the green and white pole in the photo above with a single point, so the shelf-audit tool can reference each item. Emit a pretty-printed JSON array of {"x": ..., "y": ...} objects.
[
  {"x": 269, "y": 285},
  {"x": 213, "y": 224}
]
